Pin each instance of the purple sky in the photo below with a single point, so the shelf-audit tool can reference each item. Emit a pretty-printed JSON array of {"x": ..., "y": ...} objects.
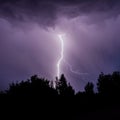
[{"x": 29, "y": 43}]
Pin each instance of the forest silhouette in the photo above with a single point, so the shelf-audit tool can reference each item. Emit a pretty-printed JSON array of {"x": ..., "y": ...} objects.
[{"x": 40, "y": 96}]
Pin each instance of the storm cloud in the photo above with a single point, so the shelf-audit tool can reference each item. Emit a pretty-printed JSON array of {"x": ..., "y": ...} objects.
[
  {"x": 46, "y": 12},
  {"x": 29, "y": 43}
]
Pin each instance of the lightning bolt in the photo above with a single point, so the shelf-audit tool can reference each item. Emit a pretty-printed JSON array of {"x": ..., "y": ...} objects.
[
  {"x": 62, "y": 59},
  {"x": 62, "y": 55}
]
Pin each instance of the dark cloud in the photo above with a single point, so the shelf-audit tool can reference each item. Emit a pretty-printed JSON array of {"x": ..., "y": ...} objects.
[{"x": 45, "y": 12}]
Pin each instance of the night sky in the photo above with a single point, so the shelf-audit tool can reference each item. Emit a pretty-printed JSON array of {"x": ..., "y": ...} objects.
[{"x": 29, "y": 42}]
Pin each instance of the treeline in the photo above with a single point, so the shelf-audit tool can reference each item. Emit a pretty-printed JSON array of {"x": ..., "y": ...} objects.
[
  {"x": 107, "y": 85},
  {"x": 38, "y": 98}
]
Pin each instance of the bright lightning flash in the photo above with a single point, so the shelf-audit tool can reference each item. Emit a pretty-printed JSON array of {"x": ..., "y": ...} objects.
[
  {"x": 62, "y": 55},
  {"x": 62, "y": 59}
]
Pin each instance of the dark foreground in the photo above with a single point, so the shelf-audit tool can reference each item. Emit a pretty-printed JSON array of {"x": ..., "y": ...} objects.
[
  {"x": 37, "y": 99},
  {"x": 60, "y": 108}
]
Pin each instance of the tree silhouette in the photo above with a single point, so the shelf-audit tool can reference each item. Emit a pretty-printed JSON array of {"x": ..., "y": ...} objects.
[
  {"x": 36, "y": 86},
  {"x": 109, "y": 84},
  {"x": 64, "y": 88},
  {"x": 33, "y": 87},
  {"x": 89, "y": 88}
]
